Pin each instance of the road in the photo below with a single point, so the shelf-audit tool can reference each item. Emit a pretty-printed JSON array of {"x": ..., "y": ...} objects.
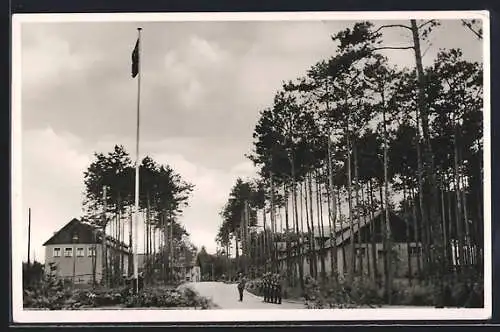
[{"x": 225, "y": 296}]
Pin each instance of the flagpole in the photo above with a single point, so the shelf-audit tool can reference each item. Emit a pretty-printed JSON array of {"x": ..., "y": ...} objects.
[{"x": 136, "y": 216}]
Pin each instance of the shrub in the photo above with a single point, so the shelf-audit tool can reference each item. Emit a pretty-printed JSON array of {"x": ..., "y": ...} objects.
[
  {"x": 416, "y": 294},
  {"x": 52, "y": 295},
  {"x": 167, "y": 298},
  {"x": 341, "y": 294}
]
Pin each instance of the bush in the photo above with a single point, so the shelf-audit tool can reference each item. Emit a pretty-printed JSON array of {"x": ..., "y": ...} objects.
[
  {"x": 342, "y": 294},
  {"x": 417, "y": 294},
  {"x": 75, "y": 299},
  {"x": 167, "y": 298},
  {"x": 52, "y": 295}
]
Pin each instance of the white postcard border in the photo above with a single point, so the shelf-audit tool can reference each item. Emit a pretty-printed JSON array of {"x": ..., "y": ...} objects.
[{"x": 140, "y": 316}]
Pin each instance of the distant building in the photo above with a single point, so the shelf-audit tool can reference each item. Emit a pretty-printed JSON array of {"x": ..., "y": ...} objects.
[
  {"x": 77, "y": 249},
  {"x": 188, "y": 270},
  {"x": 184, "y": 268}
]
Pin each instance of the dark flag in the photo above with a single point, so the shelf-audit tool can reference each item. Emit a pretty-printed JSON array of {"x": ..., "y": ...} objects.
[{"x": 135, "y": 59}]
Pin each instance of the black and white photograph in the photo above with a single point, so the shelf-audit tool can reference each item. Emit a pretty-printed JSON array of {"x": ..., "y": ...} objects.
[{"x": 251, "y": 167}]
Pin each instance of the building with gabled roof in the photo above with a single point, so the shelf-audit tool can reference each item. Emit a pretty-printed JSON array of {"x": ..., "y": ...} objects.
[
  {"x": 76, "y": 251},
  {"x": 368, "y": 246}
]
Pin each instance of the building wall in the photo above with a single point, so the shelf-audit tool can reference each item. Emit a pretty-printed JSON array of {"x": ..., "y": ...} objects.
[
  {"x": 401, "y": 268},
  {"x": 83, "y": 265},
  {"x": 364, "y": 257}
]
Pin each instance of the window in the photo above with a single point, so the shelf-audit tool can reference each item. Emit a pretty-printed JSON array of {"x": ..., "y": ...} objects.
[
  {"x": 79, "y": 252},
  {"x": 68, "y": 252},
  {"x": 415, "y": 251},
  {"x": 91, "y": 251},
  {"x": 57, "y": 252}
]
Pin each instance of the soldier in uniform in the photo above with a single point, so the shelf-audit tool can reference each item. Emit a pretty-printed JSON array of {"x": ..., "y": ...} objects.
[
  {"x": 279, "y": 286},
  {"x": 269, "y": 288},
  {"x": 261, "y": 285},
  {"x": 241, "y": 285},
  {"x": 273, "y": 289},
  {"x": 266, "y": 287}
]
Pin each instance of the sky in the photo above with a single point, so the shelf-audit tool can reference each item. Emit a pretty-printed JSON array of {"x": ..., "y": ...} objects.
[{"x": 202, "y": 87}]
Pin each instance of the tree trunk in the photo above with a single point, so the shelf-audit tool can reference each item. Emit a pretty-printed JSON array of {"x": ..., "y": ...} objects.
[
  {"x": 408, "y": 239},
  {"x": 443, "y": 217},
  {"x": 155, "y": 276},
  {"x": 370, "y": 225},
  {"x": 428, "y": 157},
  {"x": 246, "y": 247},
  {"x": 332, "y": 213},
  {"x": 237, "y": 237},
  {"x": 265, "y": 244},
  {"x": 166, "y": 247},
  {"x": 423, "y": 215},
  {"x": 304, "y": 198},
  {"x": 417, "y": 228},
  {"x": 310, "y": 225},
  {"x": 349, "y": 203},
  {"x": 287, "y": 237},
  {"x": 299, "y": 238},
  {"x": 458, "y": 216},
  {"x": 274, "y": 244},
  {"x": 388, "y": 240},
  {"x": 171, "y": 247},
  {"x": 466, "y": 219},
  {"x": 120, "y": 246},
  {"x": 319, "y": 205},
  {"x": 104, "y": 262},
  {"x": 342, "y": 238},
  {"x": 330, "y": 236},
  {"x": 374, "y": 234},
  {"x": 312, "y": 236},
  {"x": 358, "y": 217},
  {"x": 94, "y": 258}
]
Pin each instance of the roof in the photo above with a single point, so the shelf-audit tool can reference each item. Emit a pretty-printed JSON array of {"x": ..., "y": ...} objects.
[
  {"x": 85, "y": 233},
  {"x": 344, "y": 234},
  {"x": 343, "y": 231}
]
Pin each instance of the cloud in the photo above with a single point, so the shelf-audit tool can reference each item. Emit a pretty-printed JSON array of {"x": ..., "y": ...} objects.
[
  {"x": 203, "y": 53},
  {"x": 53, "y": 166},
  {"x": 52, "y": 180},
  {"x": 211, "y": 190}
]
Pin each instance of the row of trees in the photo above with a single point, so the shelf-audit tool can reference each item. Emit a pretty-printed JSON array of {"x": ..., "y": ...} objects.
[
  {"x": 109, "y": 205},
  {"x": 356, "y": 136}
]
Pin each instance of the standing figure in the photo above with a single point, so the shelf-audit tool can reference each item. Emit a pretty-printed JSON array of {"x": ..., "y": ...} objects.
[
  {"x": 273, "y": 289},
  {"x": 270, "y": 288},
  {"x": 279, "y": 286},
  {"x": 241, "y": 285},
  {"x": 266, "y": 288}
]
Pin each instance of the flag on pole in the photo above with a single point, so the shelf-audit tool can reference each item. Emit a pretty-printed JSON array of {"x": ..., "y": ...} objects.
[{"x": 135, "y": 59}]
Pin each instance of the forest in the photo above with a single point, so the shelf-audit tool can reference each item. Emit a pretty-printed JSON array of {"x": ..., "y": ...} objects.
[{"x": 355, "y": 137}]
